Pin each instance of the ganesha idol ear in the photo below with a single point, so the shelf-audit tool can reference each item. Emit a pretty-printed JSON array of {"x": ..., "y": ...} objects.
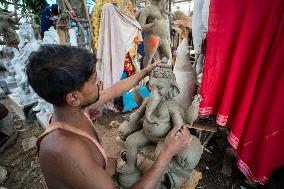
[{"x": 174, "y": 91}]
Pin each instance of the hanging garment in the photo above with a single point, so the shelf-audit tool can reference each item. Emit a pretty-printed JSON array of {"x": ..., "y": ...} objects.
[
  {"x": 124, "y": 6},
  {"x": 116, "y": 38},
  {"x": 243, "y": 81}
]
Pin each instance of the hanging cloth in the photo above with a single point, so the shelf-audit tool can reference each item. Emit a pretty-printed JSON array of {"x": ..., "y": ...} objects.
[
  {"x": 116, "y": 38},
  {"x": 243, "y": 81}
]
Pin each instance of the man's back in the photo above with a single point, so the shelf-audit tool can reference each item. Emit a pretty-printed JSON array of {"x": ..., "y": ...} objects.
[{"x": 63, "y": 148}]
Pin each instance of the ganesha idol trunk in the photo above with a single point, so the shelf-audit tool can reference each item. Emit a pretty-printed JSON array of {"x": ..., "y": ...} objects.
[
  {"x": 185, "y": 75},
  {"x": 155, "y": 99}
]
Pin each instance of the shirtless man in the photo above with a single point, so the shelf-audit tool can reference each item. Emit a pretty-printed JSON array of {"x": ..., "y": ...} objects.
[{"x": 70, "y": 155}]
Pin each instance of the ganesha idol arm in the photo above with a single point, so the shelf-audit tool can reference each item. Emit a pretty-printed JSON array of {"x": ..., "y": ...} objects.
[
  {"x": 139, "y": 113},
  {"x": 127, "y": 128},
  {"x": 176, "y": 115}
]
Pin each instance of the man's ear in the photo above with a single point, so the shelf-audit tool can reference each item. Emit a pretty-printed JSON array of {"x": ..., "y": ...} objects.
[{"x": 72, "y": 99}]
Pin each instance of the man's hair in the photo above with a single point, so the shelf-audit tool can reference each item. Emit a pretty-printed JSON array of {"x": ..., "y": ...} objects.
[
  {"x": 54, "y": 71},
  {"x": 55, "y": 9}
]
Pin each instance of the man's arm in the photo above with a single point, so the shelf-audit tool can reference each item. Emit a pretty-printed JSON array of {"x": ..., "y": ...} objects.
[
  {"x": 122, "y": 87},
  {"x": 152, "y": 176},
  {"x": 176, "y": 141},
  {"x": 76, "y": 167},
  {"x": 175, "y": 114}
]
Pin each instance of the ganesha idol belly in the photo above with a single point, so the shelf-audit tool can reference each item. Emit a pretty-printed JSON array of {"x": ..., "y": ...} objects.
[{"x": 157, "y": 131}]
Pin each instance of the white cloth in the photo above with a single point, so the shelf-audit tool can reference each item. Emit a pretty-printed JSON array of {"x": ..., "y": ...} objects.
[
  {"x": 116, "y": 38},
  {"x": 199, "y": 22},
  {"x": 73, "y": 37}
]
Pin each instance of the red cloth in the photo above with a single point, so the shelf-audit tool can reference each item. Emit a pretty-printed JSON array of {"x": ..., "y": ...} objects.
[{"x": 243, "y": 81}]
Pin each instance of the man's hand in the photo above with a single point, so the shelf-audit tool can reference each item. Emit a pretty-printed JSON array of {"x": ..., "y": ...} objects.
[
  {"x": 176, "y": 141},
  {"x": 123, "y": 86},
  {"x": 150, "y": 67}
]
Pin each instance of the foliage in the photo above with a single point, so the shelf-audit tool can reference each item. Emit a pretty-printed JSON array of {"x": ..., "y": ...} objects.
[
  {"x": 27, "y": 8},
  {"x": 34, "y": 5}
]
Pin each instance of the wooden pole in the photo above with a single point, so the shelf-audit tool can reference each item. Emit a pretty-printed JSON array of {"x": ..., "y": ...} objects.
[
  {"x": 91, "y": 42},
  {"x": 62, "y": 33}
]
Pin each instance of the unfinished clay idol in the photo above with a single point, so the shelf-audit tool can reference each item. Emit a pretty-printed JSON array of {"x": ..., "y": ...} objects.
[
  {"x": 157, "y": 115},
  {"x": 155, "y": 24}
]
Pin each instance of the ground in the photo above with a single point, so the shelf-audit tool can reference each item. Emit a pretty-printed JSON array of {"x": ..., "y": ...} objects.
[{"x": 24, "y": 172}]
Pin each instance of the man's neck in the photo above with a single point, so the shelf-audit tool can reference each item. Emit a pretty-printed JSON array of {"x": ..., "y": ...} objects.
[{"x": 69, "y": 115}]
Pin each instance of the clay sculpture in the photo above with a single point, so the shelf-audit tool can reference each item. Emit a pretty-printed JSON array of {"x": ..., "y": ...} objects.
[
  {"x": 20, "y": 59},
  {"x": 155, "y": 24},
  {"x": 151, "y": 123}
]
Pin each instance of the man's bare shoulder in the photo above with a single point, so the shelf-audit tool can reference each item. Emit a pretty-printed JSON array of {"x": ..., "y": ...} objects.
[
  {"x": 67, "y": 160},
  {"x": 61, "y": 143}
]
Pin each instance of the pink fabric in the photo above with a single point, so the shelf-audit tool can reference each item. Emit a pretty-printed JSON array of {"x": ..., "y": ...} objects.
[{"x": 243, "y": 81}]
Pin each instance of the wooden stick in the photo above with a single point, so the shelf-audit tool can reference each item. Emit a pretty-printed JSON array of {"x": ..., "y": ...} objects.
[{"x": 91, "y": 41}]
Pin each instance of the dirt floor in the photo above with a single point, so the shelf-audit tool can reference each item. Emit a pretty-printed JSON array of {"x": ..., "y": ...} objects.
[{"x": 24, "y": 172}]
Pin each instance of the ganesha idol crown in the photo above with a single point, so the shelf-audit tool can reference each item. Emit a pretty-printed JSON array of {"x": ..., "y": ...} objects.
[{"x": 164, "y": 70}]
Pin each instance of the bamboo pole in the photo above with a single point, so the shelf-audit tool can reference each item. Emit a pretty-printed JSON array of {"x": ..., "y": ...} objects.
[{"x": 91, "y": 41}]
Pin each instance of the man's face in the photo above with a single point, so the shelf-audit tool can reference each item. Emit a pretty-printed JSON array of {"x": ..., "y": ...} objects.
[
  {"x": 162, "y": 85},
  {"x": 89, "y": 94}
]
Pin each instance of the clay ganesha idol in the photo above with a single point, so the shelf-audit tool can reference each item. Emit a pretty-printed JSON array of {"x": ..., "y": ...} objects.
[{"x": 151, "y": 123}]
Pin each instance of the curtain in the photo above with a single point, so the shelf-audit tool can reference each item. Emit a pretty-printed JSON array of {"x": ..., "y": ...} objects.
[{"x": 243, "y": 81}]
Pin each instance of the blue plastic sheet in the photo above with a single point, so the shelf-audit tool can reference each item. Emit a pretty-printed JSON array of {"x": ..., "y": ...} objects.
[{"x": 129, "y": 102}]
